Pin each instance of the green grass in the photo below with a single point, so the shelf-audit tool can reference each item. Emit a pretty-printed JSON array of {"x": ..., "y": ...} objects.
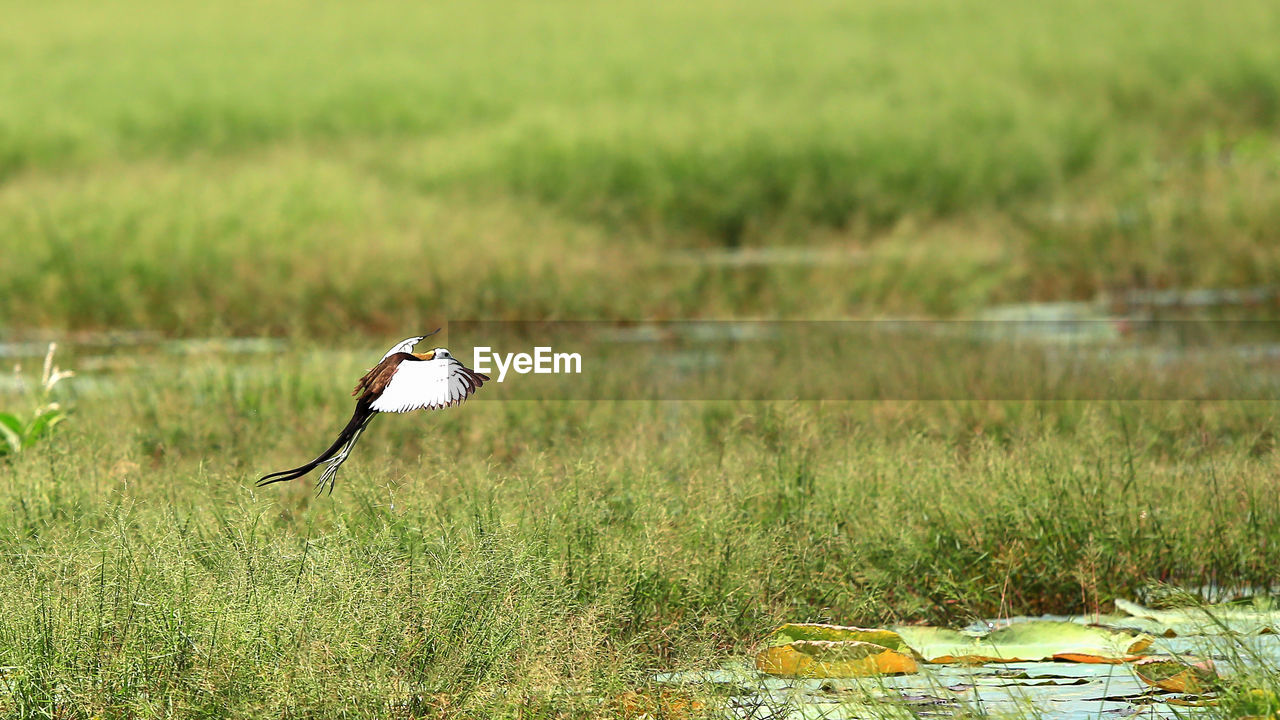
[
  {"x": 513, "y": 557},
  {"x": 203, "y": 169},
  {"x": 343, "y": 175}
]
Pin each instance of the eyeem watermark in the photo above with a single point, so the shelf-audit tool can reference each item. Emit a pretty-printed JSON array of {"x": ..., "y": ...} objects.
[{"x": 543, "y": 361}]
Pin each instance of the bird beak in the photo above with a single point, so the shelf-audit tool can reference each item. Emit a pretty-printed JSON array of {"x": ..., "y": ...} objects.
[{"x": 426, "y": 355}]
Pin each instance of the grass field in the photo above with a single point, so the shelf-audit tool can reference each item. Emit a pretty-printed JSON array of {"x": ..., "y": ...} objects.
[
  {"x": 513, "y": 556},
  {"x": 288, "y": 167},
  {"x": 341, "y": 176}
]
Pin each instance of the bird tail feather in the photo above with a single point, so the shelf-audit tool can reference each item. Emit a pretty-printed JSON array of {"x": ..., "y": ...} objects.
[{"x": 359, "y": 419}]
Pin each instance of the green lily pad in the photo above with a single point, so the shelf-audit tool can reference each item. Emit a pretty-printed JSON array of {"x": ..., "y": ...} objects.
[
  {"x": 1026, "y": 642},
  {"x": 1253, "y": 616},
  {"x": 791, "y": 632}
]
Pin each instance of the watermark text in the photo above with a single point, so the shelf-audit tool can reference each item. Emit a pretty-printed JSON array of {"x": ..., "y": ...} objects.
[{"x": 543, "y": 361}]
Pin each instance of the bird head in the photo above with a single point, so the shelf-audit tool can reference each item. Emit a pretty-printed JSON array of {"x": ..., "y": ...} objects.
[{"x": 433, "y": 354}]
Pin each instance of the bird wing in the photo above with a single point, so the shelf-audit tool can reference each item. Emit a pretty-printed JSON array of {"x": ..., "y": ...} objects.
[
  {"x": 406, "y": 345},
  {"x": 428, "y": 384}
]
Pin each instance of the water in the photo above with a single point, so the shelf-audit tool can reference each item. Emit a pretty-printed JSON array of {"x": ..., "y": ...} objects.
[
  {"x": 1201, "y": 344},
  {"x": 1055, "y": 690}
]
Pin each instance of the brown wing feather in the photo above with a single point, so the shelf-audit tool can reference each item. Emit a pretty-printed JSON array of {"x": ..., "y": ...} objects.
[{"x": 379, "y": 376}]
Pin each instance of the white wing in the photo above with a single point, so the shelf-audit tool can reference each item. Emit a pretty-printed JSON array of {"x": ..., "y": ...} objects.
[
  {"x": 407, "y": 344},
  {"x": 428, "y": 384},
  {"x": 403, "y": 346}
]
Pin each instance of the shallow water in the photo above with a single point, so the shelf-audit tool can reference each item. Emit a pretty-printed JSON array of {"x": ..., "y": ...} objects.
[
  {"x": 1197, "y": 345},
  {"x": 1063, "y": 691},
  {"x": 1055, "y": 690}
]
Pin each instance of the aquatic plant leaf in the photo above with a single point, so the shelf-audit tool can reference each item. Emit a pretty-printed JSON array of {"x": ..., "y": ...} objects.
[
  {"x": 1026, "y": 642},
  {"x": 792, "y": 632},
  {"x": 1176, "y": 675},
  {"x": 833, "y": 659},
  {"x": 1251, "y": 616}
]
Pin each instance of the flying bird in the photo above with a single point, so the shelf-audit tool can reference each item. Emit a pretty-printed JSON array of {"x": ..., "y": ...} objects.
[{"x": 402, "y": 381}]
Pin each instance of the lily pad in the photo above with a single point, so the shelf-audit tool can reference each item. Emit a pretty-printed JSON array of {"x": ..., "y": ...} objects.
[
  {"x": 1177, "y": 675},
  {"x": 833, "y": 659},
  {"x": 792, "y": 632},
  {"x": 1049, "y": 690},
  {"x": 1254, "y": 616},
  {"x": 1026, "y": 642}
]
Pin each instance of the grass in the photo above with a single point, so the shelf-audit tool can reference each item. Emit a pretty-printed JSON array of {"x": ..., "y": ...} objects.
[
  {"x": 305, "y": 170},
  {"x": 21, "y": 431},
  {"x": 342, "y": 176},
  {"x": 529, "y": 559}
]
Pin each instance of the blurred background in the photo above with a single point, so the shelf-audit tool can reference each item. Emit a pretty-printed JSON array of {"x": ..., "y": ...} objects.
[{"x": 339, "y": 169}]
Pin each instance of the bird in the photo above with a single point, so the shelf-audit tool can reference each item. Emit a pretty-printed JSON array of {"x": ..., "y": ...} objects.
[{"x": 401, "y": 382}]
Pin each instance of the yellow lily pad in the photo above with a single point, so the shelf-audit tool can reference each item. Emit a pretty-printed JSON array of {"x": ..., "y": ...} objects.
[
  {"x": 792, "y": 632},
  {"x": 833, "y": 659}
]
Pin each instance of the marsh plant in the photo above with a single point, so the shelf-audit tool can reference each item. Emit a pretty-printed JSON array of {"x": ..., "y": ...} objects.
[{"x": 18, "y": 434}]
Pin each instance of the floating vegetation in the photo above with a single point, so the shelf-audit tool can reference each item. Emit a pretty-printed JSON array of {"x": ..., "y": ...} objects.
[{"x": 1057, "y": 668}]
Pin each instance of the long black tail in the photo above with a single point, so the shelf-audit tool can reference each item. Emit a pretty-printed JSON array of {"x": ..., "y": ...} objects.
[{"x": 359, "y": 419}]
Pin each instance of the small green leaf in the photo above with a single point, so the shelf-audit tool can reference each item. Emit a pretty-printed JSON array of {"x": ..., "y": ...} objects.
[
  {"x": 10, "y": 433},
  {"x": 11, "y": 421},
  {"x": 41, "y": 425}
]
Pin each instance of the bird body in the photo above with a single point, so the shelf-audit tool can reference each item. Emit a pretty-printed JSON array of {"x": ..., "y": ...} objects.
[{"x": 402, "y": 381}]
